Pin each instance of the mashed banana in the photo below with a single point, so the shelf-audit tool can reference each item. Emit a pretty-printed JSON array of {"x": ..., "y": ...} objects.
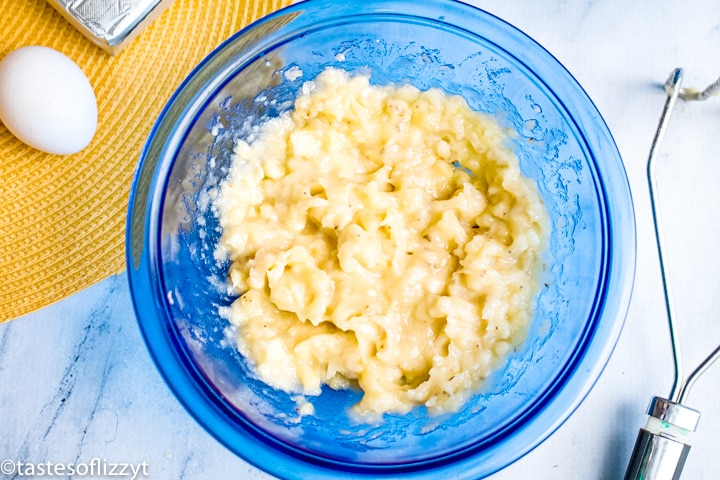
[{"x": 381, "y": 237}]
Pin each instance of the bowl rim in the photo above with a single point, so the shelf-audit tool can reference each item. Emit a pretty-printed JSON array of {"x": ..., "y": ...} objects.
[{"x": 254, "y": 446}]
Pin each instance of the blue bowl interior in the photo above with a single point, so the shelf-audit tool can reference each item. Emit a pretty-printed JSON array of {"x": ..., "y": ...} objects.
[{"x": 179, "y": 287}]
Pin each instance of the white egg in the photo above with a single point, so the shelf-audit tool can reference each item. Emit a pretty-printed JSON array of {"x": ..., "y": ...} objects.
[{"x": 46, "y": 100}]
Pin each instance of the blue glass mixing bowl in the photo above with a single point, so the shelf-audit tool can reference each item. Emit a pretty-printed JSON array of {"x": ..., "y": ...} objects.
[{"x": 562, "y": 142}]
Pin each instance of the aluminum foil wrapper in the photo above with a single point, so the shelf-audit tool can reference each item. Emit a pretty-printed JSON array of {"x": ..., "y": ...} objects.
[{"x": 110, "y": 24}]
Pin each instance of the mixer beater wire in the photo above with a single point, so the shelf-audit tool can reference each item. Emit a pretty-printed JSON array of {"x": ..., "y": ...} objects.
[{"x": 662, "y": 446}]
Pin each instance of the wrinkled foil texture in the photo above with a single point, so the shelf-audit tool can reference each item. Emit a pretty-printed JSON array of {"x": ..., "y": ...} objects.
[{"x": 110, "y": 24}]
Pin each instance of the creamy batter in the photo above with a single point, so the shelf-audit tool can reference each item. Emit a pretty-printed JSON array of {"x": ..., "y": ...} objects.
[{"x": 381, "y": 237}]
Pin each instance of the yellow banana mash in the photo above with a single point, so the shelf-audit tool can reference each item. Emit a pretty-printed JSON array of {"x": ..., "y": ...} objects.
[{"x": 381, "y": 237}]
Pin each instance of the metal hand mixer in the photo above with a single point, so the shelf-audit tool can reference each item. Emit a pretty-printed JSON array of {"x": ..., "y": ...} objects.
[{"x": 663, "y": 445}]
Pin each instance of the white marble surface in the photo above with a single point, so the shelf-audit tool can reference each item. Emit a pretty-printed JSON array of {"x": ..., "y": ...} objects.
[{"x": 76, "y": 381}]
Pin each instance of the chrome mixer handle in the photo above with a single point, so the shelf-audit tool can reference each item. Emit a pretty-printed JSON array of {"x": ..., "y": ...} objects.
[{"x": 662, "y": 447}]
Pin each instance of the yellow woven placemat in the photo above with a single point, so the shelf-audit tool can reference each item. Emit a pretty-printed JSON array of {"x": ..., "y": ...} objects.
[{"x": 62, "y": 218}]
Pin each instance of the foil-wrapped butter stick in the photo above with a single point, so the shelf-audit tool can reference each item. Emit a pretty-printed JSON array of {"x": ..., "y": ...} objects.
[{"x": 110, "y": 24}]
